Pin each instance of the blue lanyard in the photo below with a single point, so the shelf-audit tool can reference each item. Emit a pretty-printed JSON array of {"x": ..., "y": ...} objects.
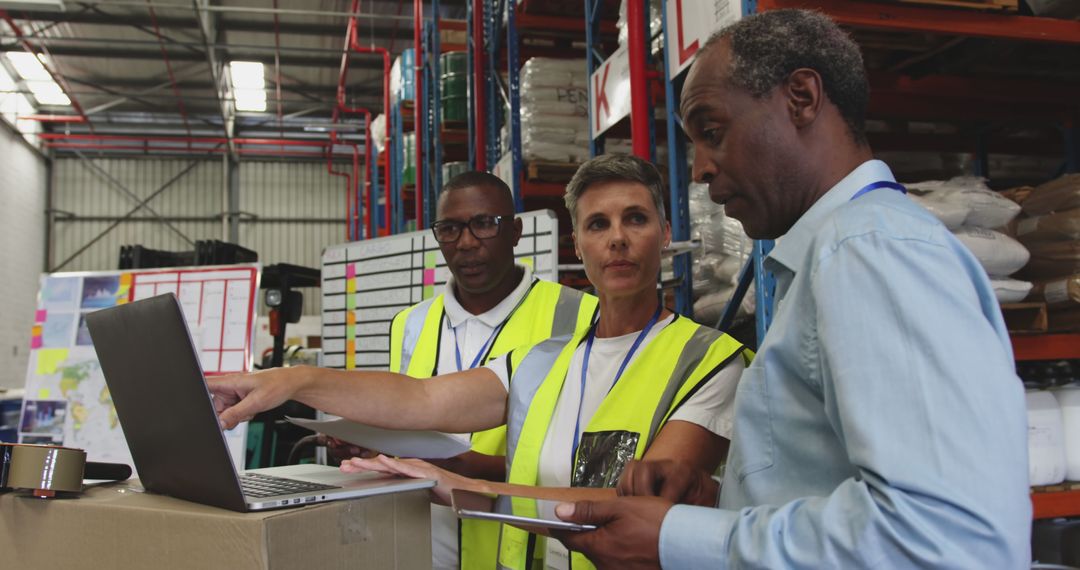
[
  {"x": 585, "y": 371},
  {"x": 494, "y": 333},
  {"x": 880, "y": 184},
  {"x": 483, "y": 349}
]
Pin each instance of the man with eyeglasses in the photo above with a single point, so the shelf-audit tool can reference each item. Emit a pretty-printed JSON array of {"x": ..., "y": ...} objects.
[{"x": 490, "y": 307}]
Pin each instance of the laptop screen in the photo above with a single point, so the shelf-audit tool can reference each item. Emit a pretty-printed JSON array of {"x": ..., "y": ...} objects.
[{"x": 165, "y": 409}]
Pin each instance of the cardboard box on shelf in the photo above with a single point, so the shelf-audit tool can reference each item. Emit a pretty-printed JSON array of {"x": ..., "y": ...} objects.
[
  {"x": 115, "y": 527},
  {"x": 1059, "y": 226},
  {"x": 1059, "y": 194},
  {"x": 1052, "y": 259}
]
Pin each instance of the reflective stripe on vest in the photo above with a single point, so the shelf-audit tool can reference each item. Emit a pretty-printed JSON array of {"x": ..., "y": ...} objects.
[
  {"x": 548, "y": 309},
  {"x": 638, "y": 403}
]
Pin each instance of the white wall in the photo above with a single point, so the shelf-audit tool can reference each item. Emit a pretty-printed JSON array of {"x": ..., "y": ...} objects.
[{"x": 23, "y": 175}]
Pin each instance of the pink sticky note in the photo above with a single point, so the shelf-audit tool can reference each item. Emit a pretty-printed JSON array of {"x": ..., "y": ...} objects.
[
  {"x": 429, "y": 277},
  {"x": 35, "y": 342},
  {"x": 350, "y": 271},
  {"x": 39, "y": 316}
]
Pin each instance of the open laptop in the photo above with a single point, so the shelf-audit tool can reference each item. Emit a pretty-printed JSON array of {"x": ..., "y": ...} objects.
[{"x": 167, "y": 415}]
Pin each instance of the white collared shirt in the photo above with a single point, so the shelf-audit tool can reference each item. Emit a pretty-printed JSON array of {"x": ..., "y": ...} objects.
[{"x": 472, "y": 332}]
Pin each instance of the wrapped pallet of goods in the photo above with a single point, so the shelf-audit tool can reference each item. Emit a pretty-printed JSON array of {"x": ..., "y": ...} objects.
[
  {"x": 554, "y": 109},
  {"x": 454, "y": 88},
  {"x": 976, "y": 215},
  {"x": 716, "y": 264},
  {"x": 1050, "y": 229},
  {"x": 378, "y": 132},
  {"x": 555, "y": 114},
  {"x": 403, "y": 77}
]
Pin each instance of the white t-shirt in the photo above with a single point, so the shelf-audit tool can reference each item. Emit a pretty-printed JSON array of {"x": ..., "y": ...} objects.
[
  {"x": 711, "y": 407},
  {"x": 471, "y": 335}
]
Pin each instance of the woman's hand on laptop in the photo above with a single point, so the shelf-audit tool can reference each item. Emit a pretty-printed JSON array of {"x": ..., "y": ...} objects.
[
  {"x": 446, "y": 481},
  {"x": 238, "y": 397}
]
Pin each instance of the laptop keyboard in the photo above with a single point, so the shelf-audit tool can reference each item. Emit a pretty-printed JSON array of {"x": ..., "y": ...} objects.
[{"x": 258, "y": 486}]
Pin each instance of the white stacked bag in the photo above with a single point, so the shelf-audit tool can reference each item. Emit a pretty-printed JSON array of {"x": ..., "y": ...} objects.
[
  {"x": 554, "y": 110},
  {"x": 976, "y": 214},
  {"x": 555, "y": 114},
  {"x": 716, "y": 265}
]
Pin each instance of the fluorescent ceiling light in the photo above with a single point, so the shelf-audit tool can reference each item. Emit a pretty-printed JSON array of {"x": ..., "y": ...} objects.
[
  {"x": 48, "y": 93},
  {"x": 247, "y": 74},
  {"x": 247, "y": 83},
  {"x": 250, "y": 99},
  {"x": 28, "y": 66}
]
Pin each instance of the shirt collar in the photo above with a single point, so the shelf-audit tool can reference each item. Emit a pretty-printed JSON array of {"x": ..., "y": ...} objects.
[
  {"x": 791, "y": 248},
  {"x": 457, "y": 314}
]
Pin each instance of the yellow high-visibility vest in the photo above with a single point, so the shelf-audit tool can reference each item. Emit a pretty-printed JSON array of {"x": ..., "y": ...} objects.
[
  {"x": 548, "y": 310},
  {"x": 678, "y": 361}
]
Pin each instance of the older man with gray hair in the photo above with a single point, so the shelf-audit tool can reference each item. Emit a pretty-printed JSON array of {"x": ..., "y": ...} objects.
[{"x": 882, "y": 423}]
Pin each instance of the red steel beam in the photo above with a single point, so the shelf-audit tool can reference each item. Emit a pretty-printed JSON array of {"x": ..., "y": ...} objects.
[
  {"x": 184, "y": 140},
  {"x": 938, "y": 20},
  {"x": 353, "y": 44},
  {"x": 207, "y": 150},
  {"x": 639, "y": 81},
  {"x": 168, "y": 68},
  {"x": 53, "y": 118}
]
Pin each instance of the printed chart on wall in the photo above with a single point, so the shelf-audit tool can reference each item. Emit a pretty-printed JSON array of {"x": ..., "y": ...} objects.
[
  {"x": 67, "y": 401},
  {"x": 366, "y": 283}
]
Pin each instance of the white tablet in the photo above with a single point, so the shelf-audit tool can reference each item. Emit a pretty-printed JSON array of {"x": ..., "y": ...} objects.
[{"x": 515, "y": 510}]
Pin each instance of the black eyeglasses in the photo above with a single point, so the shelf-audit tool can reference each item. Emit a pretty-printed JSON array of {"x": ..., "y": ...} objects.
[{"x": 481, "y": 227}]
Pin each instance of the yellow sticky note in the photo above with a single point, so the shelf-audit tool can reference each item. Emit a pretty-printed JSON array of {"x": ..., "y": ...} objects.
[
  {"x": 36, "y": 330},
  {"x": 48, "y": 359},
  {"x": 43, "y": 394},
  {"x": 350, "y": 286}
]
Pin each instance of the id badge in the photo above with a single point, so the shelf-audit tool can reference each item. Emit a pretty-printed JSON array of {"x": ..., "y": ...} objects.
[{"x": 556, "y": 556}]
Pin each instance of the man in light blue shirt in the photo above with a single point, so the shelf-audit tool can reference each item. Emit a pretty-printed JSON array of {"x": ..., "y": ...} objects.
[{"x": 882, "y": 423}]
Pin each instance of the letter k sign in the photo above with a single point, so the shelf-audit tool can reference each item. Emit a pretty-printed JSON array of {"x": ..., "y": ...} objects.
[{"x": 600, "y": 86}]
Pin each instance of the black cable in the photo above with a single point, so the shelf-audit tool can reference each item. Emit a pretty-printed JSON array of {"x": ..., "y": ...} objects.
[{"x": 301, "y": 445}]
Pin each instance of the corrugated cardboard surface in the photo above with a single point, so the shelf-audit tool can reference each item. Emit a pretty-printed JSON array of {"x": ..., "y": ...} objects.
[{"x": 113, "y": 527}]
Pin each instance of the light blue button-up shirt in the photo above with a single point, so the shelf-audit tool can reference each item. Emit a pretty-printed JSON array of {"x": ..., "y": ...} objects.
[{"x": 882, "y": 423}]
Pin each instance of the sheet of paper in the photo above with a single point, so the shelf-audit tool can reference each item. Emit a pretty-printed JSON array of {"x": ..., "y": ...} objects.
[{"x": 402, "y": 443}]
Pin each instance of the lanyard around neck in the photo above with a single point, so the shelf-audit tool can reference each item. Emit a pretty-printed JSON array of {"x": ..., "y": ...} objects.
[
  {"x": 491, "y": 339},
  {"x": 483, "y": 349},
  {"x": 585, "y": 370},
  {"x": 880, "y": 184}
]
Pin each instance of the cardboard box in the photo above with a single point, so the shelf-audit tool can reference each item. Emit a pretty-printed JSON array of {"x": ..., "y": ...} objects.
[
  {"x": 115, "y": 527},
  {"x": 1059, "y": 226},
  {"x": 1057, "y": 195},
  {"x": 1052, "y": 260}
]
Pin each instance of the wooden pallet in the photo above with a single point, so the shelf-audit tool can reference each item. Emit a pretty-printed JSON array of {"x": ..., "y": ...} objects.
[
  {"x": 1064, "y": 486},
  {"x": 987, "y": 5},
  {"x": 1025, "y": 317}
]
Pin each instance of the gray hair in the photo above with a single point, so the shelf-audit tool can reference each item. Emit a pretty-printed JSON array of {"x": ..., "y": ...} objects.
[
  {"x": 615, "y": 168},
  {"x": 767, "y": 47}
]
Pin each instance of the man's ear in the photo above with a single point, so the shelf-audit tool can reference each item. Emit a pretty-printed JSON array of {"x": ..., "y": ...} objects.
[
  {"x": 517, "y": 230},
  {"x": 804, "y": 96}
]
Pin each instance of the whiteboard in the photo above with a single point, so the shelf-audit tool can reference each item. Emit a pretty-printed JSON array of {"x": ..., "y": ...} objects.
[
  {"x": 366, "y": 283},
  {"x": 67, "y": 401}
]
